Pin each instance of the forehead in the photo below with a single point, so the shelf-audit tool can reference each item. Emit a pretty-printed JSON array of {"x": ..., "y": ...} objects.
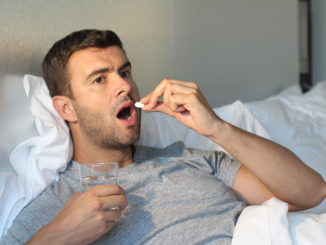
[{"x": 86, "y": 60}]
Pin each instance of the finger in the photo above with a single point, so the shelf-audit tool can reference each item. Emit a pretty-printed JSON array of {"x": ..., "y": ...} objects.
[
  {"x": 175, "y": 103},
  {"x": 145, "y": 99},
  {"x": 112, "y": 215},
  {"x": 106, "y": 190},
  {"x": 179, "y": 103},
  {"x": 174, "y": 89},
  {"x": 156, "y": 94},
  {"x": 167, "y": 95},
  {"x": 159, "y": 90},
  {"x": 184, "y": 83},
  {"x": 181, "y": 88},
  {"x": 114, "y": 201}
]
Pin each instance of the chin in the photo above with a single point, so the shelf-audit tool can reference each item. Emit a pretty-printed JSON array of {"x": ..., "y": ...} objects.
[{"x": 131, "y": 140}]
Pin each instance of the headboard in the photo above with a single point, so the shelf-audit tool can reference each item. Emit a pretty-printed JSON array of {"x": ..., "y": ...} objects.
[{"x": 245, "y": 50}]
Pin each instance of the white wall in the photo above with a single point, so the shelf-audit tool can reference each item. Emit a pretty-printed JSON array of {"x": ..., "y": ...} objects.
[
  {"x": 319, "y": 40},
  {"x": 235, "y": 49}
]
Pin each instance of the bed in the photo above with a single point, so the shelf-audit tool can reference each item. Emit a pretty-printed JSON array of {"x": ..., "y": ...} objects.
[
  {"x": 43, "y": 147},
  {"x": 250, "y": 57}
]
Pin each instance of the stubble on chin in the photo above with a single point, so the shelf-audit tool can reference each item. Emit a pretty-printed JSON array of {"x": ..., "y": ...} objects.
[{"x": 101, "y": 128}]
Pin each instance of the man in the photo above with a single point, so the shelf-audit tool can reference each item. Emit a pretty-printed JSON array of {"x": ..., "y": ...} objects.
[{"x": 174, "y": 195}]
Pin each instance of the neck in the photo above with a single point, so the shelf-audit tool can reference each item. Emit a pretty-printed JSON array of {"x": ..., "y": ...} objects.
[{"x": 90, "y": 153}]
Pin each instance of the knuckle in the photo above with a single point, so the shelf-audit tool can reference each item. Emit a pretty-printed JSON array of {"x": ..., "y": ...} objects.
[
  {"x": 95, "y": 205},
  {"x": 116, "y": 188},
  {"x": 123, "y": 202},
  {"x": 169, "y": 85},
  {"x": 92, "y": 191},
  {"x": 194, "y": 85},
  {"x": 124, "y": 199},
  {"x": 120, "y": 189},
  {"x": 195, "y": 92},
  {"x": 166, "y": 80}
]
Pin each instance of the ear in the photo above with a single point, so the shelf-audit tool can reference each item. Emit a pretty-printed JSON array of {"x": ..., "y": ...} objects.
[{"x": 64, "y": 107}]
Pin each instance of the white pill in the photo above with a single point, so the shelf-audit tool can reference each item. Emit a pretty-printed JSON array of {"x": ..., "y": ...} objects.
[{"x": 139, "y": 105}]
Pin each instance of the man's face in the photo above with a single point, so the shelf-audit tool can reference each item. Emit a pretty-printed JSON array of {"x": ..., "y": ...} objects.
[{"x": 103, "y": 96}]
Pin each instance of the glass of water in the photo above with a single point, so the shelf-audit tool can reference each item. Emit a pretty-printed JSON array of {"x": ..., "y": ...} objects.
[{"x": 92, "y": 174}]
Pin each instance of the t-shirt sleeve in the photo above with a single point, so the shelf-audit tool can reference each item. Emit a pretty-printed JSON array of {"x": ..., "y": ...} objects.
[
  {"x": 10, "y": 238},
  {"x": 35, "y": 215},
  {"x": 225, "y": 168},
  {"x": 229, "y": 168},
  {"x": 218, "y": 163}
]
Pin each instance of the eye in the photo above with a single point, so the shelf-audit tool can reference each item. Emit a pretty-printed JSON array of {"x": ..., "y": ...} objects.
[
  {"x": 125, "y": 74},
  {"x": 99, "y": 79}
]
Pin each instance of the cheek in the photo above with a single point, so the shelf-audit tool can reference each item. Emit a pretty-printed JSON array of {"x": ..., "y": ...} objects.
[
  {"x": 135, "y": 92},
  {"x": 94, "y": 99},
  {"x": 100, "y": 109}
]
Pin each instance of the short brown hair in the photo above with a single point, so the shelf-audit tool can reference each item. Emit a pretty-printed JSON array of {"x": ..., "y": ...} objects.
[{"x": 54, "y": 65}]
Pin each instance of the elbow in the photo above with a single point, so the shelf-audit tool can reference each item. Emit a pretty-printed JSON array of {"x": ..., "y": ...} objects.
[
  {"x": 313, "y": 197},
  {"x": 323, "y": 194},
  {"x": 320, "y": 193}
]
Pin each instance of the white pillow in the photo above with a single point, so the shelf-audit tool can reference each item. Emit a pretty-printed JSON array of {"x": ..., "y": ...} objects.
[
  {"x": 17, "y": 122},
  {"x": 48, "y": 148},
  {"x": 38, "y": 159}
]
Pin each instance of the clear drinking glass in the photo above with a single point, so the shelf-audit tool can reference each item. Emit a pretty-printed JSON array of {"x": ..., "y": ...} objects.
[{"x": 92, "y": 174}]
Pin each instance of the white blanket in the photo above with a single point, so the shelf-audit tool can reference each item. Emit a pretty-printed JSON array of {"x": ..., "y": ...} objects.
[{"x": 271, "y": 224}]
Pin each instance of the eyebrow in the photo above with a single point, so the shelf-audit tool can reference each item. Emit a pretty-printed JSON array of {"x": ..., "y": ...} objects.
[
  {"x": 104, "y": 70},
  {"x": 96, "y": 72},
  {"x": 127, "y": 64}
]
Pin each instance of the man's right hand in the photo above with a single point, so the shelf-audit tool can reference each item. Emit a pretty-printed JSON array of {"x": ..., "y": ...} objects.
[{"x": 84, "y": 217}]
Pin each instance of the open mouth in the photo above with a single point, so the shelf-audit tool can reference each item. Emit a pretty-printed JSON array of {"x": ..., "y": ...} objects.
[{"x": 125, "y": 113}]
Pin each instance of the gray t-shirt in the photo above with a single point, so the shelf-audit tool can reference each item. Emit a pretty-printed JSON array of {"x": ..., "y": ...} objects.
[{"x": 175, "y": 196}]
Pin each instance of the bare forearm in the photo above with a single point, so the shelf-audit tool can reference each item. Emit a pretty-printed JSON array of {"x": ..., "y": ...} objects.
[{"x": 277, "y": 167}]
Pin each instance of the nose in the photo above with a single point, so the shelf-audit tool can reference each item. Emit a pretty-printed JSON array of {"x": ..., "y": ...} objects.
[{"x": 121, "y": 87}]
